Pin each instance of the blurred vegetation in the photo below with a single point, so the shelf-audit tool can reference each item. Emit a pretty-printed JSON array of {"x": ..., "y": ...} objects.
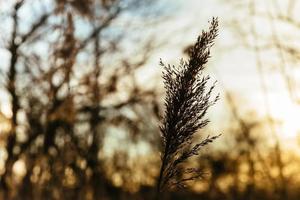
[{"x": 81, "y": 125}]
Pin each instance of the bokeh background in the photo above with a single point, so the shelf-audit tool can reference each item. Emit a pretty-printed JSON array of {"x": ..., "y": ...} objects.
[{"x": 81, "y": 97}]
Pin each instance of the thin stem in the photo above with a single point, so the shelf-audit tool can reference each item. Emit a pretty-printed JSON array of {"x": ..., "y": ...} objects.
[{"x": 162, "y": 169}]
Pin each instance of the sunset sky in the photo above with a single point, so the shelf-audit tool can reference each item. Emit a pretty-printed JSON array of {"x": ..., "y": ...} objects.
[{"x": 232, "y": 64}]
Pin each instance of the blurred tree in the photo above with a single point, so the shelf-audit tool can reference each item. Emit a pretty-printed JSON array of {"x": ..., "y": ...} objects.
[{"x": 70, "y": 79}]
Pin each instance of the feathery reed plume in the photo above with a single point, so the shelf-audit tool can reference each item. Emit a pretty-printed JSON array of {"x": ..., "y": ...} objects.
[{"x": 187, "y": 101}]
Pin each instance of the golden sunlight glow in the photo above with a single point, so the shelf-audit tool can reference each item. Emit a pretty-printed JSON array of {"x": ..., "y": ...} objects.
[
  {"x": 4, "y": 123},
  {"x": 19, "y": 168},
  {"x": 290, "y": 125},
  {"x": 289, "y": 116},
  {"x": 5, "y": 110}
]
